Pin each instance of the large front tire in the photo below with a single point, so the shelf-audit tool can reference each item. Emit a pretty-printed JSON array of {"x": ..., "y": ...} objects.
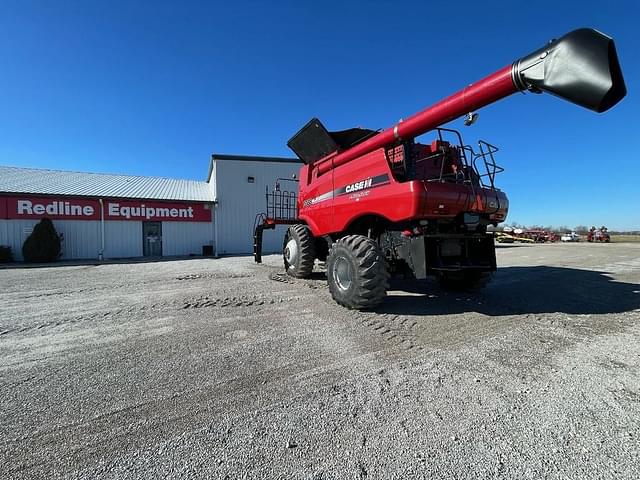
[
  {"x": 298, "y": 251},
  {"x": 357, "y": 272}
]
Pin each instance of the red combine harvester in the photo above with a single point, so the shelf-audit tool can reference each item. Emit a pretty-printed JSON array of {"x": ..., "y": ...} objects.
[
  {"x": 599, "y": 235},
  {"x": 372, "y": 203}
]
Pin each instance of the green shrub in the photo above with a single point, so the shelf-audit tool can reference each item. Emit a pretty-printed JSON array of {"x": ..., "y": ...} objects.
[
  {"x": 5, "y": 254},
  {"x": 43, "y": 245}
]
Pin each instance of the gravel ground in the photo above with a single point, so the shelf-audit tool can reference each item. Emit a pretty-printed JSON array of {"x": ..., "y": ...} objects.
[{"x": 226, "y": 369}]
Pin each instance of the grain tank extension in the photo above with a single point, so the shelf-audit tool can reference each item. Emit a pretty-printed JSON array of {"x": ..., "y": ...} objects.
[{"x": 375, "y": 203}]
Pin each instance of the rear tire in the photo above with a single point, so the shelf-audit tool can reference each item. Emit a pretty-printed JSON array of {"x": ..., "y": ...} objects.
[
  {"x": 465, "y": 280},
  {"x": 357, "y": 272},
  {"x": 298, "y": 251}
]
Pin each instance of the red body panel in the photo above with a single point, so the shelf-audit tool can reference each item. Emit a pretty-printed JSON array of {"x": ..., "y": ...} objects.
[{"x": 330, "y": 202}]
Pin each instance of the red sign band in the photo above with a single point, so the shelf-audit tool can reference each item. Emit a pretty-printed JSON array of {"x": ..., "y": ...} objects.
[{"x": 89, "y": 209}]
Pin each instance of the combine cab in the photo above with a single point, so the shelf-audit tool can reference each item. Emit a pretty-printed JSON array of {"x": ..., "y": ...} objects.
[{"x": 374, "y": 203}]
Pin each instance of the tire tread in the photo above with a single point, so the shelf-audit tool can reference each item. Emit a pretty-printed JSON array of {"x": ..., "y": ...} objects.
[
  {"x": 373, "y": 273},
  {"x": 307, "y": 254}
]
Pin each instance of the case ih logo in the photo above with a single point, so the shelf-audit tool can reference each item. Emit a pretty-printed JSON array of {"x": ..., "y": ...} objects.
[
  {"x": 80, "y": 209},
  {"x": 354, "y": 187}
]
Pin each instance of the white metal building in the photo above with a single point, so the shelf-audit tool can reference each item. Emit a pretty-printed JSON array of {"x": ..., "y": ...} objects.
[
  {"x": 123, "y": 216},
  {"x": 240, "y": 185}
]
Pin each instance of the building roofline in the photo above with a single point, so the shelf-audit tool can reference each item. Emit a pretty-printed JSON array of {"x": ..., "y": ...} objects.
[
  {"x": 102, "y": 173},
  {"x": 248, "y": 158},
  {"x": 254, "y": 158},
  {"x": 4, "y": 194},
  {"x": 78, "y": 184}
]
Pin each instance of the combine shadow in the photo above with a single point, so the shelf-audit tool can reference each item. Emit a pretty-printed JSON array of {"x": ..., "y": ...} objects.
[
  {"x": 520, "y": 290},
  {"x": 322, "y": 275}
]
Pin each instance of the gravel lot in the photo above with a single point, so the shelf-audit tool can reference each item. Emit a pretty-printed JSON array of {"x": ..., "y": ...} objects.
[{"x": 226, "y": 369}]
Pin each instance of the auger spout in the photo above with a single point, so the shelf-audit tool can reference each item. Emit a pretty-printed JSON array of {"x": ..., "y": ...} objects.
[{"x": 581, "y": 67}]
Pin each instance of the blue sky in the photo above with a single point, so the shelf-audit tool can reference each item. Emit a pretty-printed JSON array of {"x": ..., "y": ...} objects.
[{"x": 153, "y": 88}]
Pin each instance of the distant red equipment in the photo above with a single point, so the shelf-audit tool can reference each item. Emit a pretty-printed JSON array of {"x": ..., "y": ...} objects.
[
  {"x": 541, "y": 236},
  {"x": 599, "y": 235}
]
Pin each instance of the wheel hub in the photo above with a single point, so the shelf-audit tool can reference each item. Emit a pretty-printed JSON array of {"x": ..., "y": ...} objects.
[
  {"x": 342, "y": 273},
  {"x": 291, "y": 253}
]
